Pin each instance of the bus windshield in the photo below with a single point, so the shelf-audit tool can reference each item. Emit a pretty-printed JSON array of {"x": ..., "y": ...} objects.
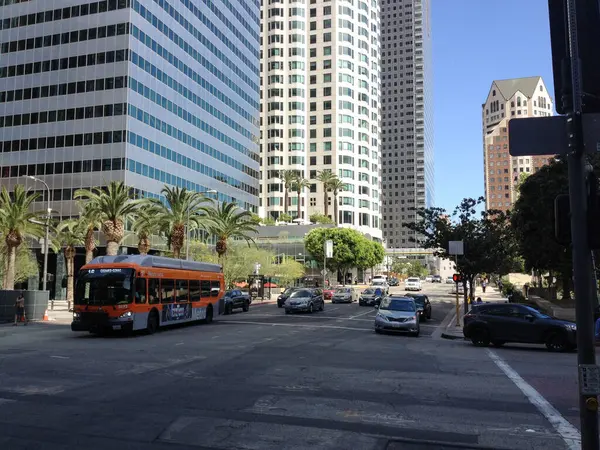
[{"x": 104, "y": 287}]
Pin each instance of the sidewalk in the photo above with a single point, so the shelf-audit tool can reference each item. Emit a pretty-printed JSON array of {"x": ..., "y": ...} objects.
[{"x": 492, "y": 295}]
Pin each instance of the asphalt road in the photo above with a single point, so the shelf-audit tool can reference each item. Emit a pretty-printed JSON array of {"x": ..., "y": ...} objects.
[{"x": 264, "y": 380}]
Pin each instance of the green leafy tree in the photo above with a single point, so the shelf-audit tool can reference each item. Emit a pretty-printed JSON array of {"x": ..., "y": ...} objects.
[
  {"x": 320, "y": 218},
  {"x": 348, "y": 245},
  {"x": 18, "y": 222},
  {"x": 91, "y": 219},
  {"x": 26, "y": 266},
  {"x": 112, "y": 206},
  {"x": 227, "y": 221},
  {"x": 370, "y": 254},
  {"x": 145, "y": 224},
  {"x": 268, "y": 221},
  {"x": 326, "y": 177},
  {"x": 287, "y": 272},
  {"x": 182, "y": 208},
  {"x": 487, "y": 238},
  {"x": 285, "y": 218}
]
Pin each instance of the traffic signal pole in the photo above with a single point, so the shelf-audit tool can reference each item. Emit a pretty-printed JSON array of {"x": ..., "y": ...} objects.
[{"x": 582, "y": 264}]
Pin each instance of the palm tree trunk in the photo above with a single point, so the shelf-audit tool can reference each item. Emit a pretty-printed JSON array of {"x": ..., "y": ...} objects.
[
  {"x": 325, "y": 205},
  {"x": 176, "y": 252},
  {"x": 299, "y": 206},
  {"x": 285, "y": 201},
  {"x": 90, "y": 246},
  {"x": 9, "y": 281},
  {"x": 112, "y": 248},
  {"x": 5, "y": 273},
  {"x": 70, "y": 260},
  {"x": 336, "y": 219}
]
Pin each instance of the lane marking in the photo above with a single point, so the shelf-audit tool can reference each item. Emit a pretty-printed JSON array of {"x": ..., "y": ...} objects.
[
  {"x": 299, "y": 325},
  {"x": 563, "y": 427},
  {"x": 248, "y": 318},
  {"x": 362, "y": 314},
  {"x": 59, "y": 357}
]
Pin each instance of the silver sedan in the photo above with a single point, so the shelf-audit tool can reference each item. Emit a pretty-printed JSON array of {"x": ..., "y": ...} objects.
[{"x": 397, "y": 314}]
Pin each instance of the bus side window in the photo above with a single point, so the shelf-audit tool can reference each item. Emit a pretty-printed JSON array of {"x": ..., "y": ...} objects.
[
  {"x": 205, "y": 288},
  {"x": 182, "y": 291},
  {"x": 166, "y": 291},
  {"x": 140, "y": 290},
  {"x": 194, "y": 290},
  {"x": 153, "y": 297},
  {"x": 215, "y": 288}
]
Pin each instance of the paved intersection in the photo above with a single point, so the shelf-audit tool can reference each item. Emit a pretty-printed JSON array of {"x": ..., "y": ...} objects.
[{"x": 266, "y": 380}]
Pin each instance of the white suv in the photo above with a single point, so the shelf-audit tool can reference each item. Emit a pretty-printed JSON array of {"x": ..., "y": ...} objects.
[{"x": 412, "y": 284}]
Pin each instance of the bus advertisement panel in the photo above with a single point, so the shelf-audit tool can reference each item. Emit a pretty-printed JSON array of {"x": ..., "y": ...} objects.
[{"x": 141, "y": 292}]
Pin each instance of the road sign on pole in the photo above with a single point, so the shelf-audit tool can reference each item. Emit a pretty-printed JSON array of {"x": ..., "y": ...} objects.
[
  {"x": 456, "y": 247},
  {"x": 329, "y": 249}
]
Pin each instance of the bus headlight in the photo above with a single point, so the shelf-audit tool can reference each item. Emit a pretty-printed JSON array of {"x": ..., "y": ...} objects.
[{"x": 126, "y": 315}]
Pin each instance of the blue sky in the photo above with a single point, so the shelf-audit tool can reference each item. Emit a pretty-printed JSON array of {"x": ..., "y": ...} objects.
[{"x": 474, "y": 43}]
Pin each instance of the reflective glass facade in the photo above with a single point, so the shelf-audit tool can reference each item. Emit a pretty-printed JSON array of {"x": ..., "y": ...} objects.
[{"x": 150, "y": 92}]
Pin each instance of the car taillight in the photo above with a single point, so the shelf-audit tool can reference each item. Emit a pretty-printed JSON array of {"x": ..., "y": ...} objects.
[{"x": 469, "y": 316}]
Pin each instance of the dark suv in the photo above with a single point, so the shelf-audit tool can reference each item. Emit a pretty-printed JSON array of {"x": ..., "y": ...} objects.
[{"x": 499, "y": 323}]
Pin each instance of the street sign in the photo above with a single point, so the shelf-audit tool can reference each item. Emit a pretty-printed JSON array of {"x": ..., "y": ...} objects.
[
  {"x": 324, "y": 272},
  {"x": 329, "y": 249},
  {"x": 538, "y": 136},
  {"x": 456, "y": 248},
  {"x": 589, "y": 379}
]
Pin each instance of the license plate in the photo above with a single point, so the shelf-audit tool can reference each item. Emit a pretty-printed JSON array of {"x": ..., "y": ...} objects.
[{"x": 116, "y": 327}]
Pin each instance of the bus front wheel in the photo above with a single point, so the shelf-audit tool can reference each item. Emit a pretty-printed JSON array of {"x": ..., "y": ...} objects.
[{"x": 152, "y": 323}]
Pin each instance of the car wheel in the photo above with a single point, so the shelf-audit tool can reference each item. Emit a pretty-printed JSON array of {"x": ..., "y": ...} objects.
[
  {"x": 153, "y": 323},
  {"x": 480, "y": 337},
  {"x": 323, "y": 306},
  {"x": 416, "y": 333},
  {"x": 378, "y": 331},
  {"x": 429, "y": 316},
  {"x": 498, "y": 343},
  {"x": 310, "y": 308},
  {"x": 557, "y": 342},
  {"x": 228, "y": 309},
  {"x": 424, "y": 318},
  {"x": 246, "y": 307},
  {"x": 287, "y": 311},
  {"x": 279, "y": 305}
]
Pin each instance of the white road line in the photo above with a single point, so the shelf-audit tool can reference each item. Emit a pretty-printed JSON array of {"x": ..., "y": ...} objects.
[
  {"x": 563, "y": 427},
  {"x": 362, "y": 314},
  {"x": 59, "y": 357},
  {"x": 299, "y": 325}
]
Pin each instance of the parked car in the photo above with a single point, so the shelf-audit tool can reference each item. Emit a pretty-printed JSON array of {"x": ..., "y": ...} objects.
[
  {"x": 399, "y": 314},
  {"x": 429, "y": 278},
  {"x": 382, "y": 284},
  {"x": 235, "y": 299},
  {"x": 449, "y": 280},
  {"x": 370, "y": 297},
  {"x": 344, "y": 295},
  {"x": 412, "y": 284},
  {"x": 284, "y": 296},
  {"x": 328, "y": 293},
  {"x": 436, "y": 279},
  {"x": 423, "y": 305},
  {"x": 499, "y": 323},
  {"x": 306, "y": 300},
  {"x": 461, "y": 288},
  {"x": 393, "y": 281}
]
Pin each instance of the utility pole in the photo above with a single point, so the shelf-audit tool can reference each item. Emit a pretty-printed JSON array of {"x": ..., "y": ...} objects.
[{"x": 582, "y": 263}]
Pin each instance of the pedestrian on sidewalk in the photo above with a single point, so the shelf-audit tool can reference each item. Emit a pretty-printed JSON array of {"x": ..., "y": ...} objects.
[
  {"x": 20, "y": 310},
  {"x": 484, "y": 285}
]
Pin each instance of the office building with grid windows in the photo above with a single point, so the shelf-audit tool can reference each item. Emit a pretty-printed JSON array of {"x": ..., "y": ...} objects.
[
  {"x": 320, "y": 108},
  {"x": 406, "y": 117},
  {"x": 149, "y": 92}
]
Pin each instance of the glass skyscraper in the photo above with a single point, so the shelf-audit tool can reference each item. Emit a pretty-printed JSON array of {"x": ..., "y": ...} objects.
[{"x": 149, "y": 92}]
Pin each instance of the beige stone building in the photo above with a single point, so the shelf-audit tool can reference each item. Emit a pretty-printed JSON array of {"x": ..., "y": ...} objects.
[{"x": 506, "y": 100}]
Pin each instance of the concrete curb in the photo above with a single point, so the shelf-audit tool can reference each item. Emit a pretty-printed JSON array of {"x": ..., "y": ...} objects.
[{"x": 452, "y": 336}]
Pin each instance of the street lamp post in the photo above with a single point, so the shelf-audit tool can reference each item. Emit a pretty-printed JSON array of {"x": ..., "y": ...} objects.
[
  {"x": 48, "y": 211},
  {"x": 187, "y": 231}
]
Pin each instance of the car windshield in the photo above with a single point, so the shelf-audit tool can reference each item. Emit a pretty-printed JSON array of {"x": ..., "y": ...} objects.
[
  {"x": 395, "y": 304},
  {"x": 343, "y": 291},
  {"x": 104, "y": 287},
  {"x": 419, "y": 299},
  {"x": 288, "y": 291},
  {"x": 378, "y": 282},
  {"x": 412, "y": 280},
  {"x": 369, "y": 291},
  {"x": 300, "y": 294}
]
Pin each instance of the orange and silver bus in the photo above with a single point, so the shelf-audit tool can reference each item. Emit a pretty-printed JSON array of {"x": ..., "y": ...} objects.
[{"x": 142, "y": 292}]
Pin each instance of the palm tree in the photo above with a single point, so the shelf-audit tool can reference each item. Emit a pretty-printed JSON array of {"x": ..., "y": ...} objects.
[
  {"x": 326, "y": 177},
  {"x": 145, "y": 225},
  {"x": 288, "y": 177},
  {"x": 90, "y": 217},
  {"x": 336, "y": 185},
  {"x": 113, "y": 207},
  {"x": 70, "y": 234},
  {"x": 227, "y": 221},
  {"x": 17, "y": 222},
  {"x": 299, "y": 184},
  {"x": 182, "y": 207}
]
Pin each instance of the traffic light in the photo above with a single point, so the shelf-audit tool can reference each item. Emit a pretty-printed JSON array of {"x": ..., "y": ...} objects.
[
  {"x": 588, "y": 31},
  {"x": 457, "y": 278}
]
